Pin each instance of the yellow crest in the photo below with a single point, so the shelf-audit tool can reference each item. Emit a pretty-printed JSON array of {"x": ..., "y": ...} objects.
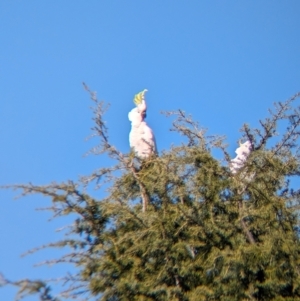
[{"x": 138, "y": 98}]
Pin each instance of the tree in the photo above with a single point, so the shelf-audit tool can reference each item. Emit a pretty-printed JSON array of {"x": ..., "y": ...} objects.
[{"x": 205, "y": 233}]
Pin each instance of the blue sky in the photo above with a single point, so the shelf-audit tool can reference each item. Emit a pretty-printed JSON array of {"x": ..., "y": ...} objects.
[{"x": 225, "y": 62}]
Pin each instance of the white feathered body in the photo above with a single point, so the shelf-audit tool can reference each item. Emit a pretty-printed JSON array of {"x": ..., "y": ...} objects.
[
  {"x": 242, "y": 154},
  {"x": 141, "y": 137},
  {"x": 142, "y": 140}
]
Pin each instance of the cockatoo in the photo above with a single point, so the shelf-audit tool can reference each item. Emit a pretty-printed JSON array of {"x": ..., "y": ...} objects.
[
  {"x": 141, "y": 137},
  {"x": 242, "y": 154}
]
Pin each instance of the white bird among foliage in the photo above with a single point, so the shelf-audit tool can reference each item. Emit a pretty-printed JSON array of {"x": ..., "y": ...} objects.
[
  {"x": 141, "y": 137},
  {"x": 242, "y": 154}
]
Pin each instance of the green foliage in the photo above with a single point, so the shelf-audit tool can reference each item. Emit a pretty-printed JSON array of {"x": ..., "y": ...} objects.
[{"x": 182, "y": 227}]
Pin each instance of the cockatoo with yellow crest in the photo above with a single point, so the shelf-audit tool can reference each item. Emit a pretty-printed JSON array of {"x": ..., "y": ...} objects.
[
  {"x": 242, "y": 154},
  {"x": 141, "y": 137}
]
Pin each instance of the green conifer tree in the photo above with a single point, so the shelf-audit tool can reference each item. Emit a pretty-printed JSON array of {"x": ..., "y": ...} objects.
[{"x": 204, "y": 234}]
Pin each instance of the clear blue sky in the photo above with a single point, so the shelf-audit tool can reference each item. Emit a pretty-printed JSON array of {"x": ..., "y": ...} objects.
[{"x": 225, "y": 62}]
